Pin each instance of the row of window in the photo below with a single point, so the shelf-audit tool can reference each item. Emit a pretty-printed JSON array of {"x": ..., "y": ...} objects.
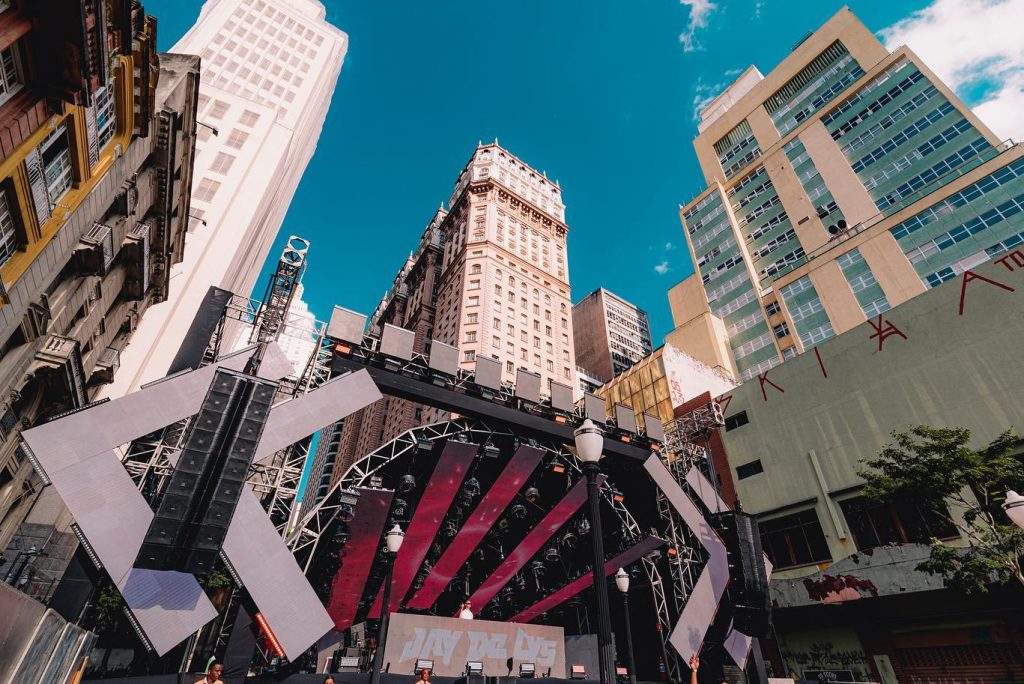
[
  {"x": 932, "y": 174},
  {"x": 959, "y": 199},
  {"x": 902, "y": 137},
  {"x": 889, "y": 120},
  {"x": 873, "y": 108},
  {"x": 798, "y": 539},
  {"x": 896, "y": 167}
]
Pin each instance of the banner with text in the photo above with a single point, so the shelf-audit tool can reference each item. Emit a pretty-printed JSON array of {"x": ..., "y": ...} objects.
[{"x": 451, "y": 643}]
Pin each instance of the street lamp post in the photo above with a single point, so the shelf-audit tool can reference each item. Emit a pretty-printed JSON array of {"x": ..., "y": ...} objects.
[
  {"x": 589, "y": 449},
  {"x": 622, "y": 583},
  {"x": 394, "y": 542},
  {"x": 1014, "y": 507}
]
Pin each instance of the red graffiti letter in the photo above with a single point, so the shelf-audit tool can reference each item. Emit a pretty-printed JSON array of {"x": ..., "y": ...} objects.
[
  {"x": 884, "y": 333},
  {"x": 971, "y": 275},
  {"x": 821, "y": 364},
  {"x": 1016, "y": 256},
  {"x": 763, "y": 378}
]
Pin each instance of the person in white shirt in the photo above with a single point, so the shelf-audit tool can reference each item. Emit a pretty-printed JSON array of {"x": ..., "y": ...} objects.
[{"x": 466, "y": 613}]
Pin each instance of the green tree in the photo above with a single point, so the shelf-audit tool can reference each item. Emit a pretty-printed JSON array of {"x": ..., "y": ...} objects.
[{"x": 935, "y": 467}]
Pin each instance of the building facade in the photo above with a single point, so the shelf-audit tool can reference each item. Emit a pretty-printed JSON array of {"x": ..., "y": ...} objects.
[
  {"x": 846, "y": 592},
  {"x": 321, "y": 471},
  {"x": 845, "y": 182},
  {"x": 662, "y": 382},
  {"x": 269, "y": 70},
  {"x": 614, "y": 334},
  {"x": 490, "y": 277},
  {"x": 98, "y": 137}
]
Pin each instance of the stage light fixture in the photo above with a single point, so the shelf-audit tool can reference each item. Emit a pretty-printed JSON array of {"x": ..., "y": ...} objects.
[
  {"x": 376, "y": 481},
  {"x": 406, "y": 484},
  {"x": 532, "y": 494},
  {"x": 472, "y": 487},
  {"x": 527, "y": 670},
  {"x": 346, "y": 513},
  {"x": 489, "y": 450},
  {"x": 583, "y": 526},
  {"x": 538, "y": 568},
  {"x": 474, "y": 668},
  {"x": 578, "y": 672},
  {"x": 621, "y": 673},
  {"x": 569, "y": 540},
  {"x": 424, "y": 444},
  {"x": 450, "y": 529},
  {"x": 503, "y": 525},
  {"x": 348, "y": 664},
  {"x": 519, "y": 511},
  {"x": 424, "y": 664},
  {"x": 552, "y": 555}
]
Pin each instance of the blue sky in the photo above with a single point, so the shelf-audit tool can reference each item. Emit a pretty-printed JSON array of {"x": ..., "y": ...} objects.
[{"x": 600, "y": 94}]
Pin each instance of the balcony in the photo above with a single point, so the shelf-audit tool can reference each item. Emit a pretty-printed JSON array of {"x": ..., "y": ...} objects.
[
  {"x": 95, "y": 252},
  {"x": 59, "y": 363},
  {"x": 136, "y": 258}
]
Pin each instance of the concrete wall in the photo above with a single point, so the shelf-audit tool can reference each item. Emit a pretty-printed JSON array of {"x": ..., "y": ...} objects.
[{"x": 931, "y": 365}]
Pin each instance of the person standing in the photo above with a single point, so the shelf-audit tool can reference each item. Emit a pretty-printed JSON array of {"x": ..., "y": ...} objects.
[
  {"x": 466, "y": 612},
  {"x": 213, "y": 673}
]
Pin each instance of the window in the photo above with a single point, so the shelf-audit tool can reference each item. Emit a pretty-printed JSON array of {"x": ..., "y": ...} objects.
[
  {"x": 474, "y": 301},
  {"x": 8, "y": 234},
  {"x": 222, "y": 163},
  {"x": 749, "y": 469},
  {"x": 469, "y": 356},
  {"x": 206, "y": 191},
  {"x": 249, "y": 118},
  {"x": 471, "y": 336},
  {"x": 106, "y": 116},
  {"x": 474, "y": 269},
  {"x": 781, "y": 330},
  {"x": 49, "y": 171},
  {"x": 736, "y": 420},
  {"x": 237, "y": 139},
  {"x": 474, "y": 284},
  {"x": 509, "y": 367},
  {"x": 219, "y": 109},
  {"x": 794, "y": 540},
  {"x": 772, "y": 308},
  {"x": 471, "y": 318},
  {"x": 878, "y": 524}
]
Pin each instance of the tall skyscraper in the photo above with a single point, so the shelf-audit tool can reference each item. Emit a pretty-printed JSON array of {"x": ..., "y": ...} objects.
[
  {"x": 491, "y": 277},
  {"x": 847, "y": 181},
  {"x": 618, "y": 334},
  {"x": 269, "y": 71}
]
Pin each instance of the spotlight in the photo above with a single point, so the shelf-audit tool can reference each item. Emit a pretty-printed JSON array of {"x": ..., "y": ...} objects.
[
  {"x": 569, "y": 540},
  {"x": 532, "y": 494},
  {"x": 583, "y": 526},
  {"x": 376, "y": 482},
  {"x": 472, "y": 487},
  {"x": 538, "y": 568},
  {"x": 424, "y": 444},
  {"x": 490, "y": 451},
  {"x": 407, "y": 484},
  {"x": 503, "y": 525},
  {"x": 519, "y": 511},
  {"x": 552, "y": 555},
  {"x": 527, "y": 670},
  {"x": 346, "y": 513},
  {"x": 450, "y": 529},
  {"x": 474, "y": 668},
  {"x": 342, "y": 534},
  {"x": 398, "y": 507},
  {"x": 424, "y": 664}
]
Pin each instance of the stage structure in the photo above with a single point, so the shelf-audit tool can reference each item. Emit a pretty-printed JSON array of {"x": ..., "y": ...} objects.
[
  {"x": 202, "y": 468},
  {"x": 492, "y": 500}
]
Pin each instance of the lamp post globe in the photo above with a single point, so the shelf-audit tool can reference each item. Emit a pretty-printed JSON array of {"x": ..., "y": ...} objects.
[
  {"x": 1014, "y": 508},
  {"x": 394, "y": 539},
  {"x": 622, "y": 580},
  {"x": 589, "y": 442}
]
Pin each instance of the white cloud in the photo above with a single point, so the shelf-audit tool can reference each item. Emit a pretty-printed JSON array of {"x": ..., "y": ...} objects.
[
  {"x": 974, "y": 46},
  {"x": 662, "y": 268},
  {"x": 669, "y": 246},
  {"x": 700, "y": 10}
]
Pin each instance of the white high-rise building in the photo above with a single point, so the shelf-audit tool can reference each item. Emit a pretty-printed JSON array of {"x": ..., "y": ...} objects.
[{"x": 269, "y": 69}]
